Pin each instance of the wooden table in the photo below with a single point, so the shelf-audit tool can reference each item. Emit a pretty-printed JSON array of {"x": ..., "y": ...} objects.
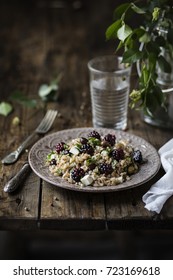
[{"x": 39, "y": 40}]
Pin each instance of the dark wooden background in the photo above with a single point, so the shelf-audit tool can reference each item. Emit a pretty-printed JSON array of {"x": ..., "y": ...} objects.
[{"x": 38, "y": 40}]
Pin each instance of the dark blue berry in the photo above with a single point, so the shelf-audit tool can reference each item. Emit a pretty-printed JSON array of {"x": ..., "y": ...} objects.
[
  {"x": 105, "y": 168},
  {"x": 137, "y": 156},
  {"x": 60, "y": 147},
  {"x": 94, "y": 134},
  {"x": 118, "y": 154},
  {"x": 110, "y": 138},
  {"x": 87, "y": 148},
  {"x": 77, "y": 174}
]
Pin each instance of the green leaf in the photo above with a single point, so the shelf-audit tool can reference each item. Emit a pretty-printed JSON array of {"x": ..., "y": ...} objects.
[
  {"x": 5, "y": 108},
  {"x": 144, "y": 79},
  {"x": 121, "y": 9},
  {"x": 145, "y": 38},
  {"x": 131, "y": 56},
  {"x": 154, "y": 97},
  {"x": 159, "y": 94},
  {"x": 123, "y": 32},
  {"x": 164, "y": 65},
  {"x": 45, "y": 89},
  {"x": 139, "y": 32},
  {"x": 152, "y": 61},
  {"x": 23, "y": 100},
  {"x": 111, "y": 32},
  {"x": 120, "y": 45},
  {"x": 129, "y": 43},
  {"x": 137, "y": 9},
  {"x": 47, "y": 92}
]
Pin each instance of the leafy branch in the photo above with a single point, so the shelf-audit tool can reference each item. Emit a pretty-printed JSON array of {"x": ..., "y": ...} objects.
[
  {"x": 20, "y": 98},
  {"x": 47, "y": 92},
  {"x": 144, "y": 45}
]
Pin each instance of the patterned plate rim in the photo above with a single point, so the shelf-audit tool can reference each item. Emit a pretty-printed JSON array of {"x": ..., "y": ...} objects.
[{"x": 41, "y": 148}]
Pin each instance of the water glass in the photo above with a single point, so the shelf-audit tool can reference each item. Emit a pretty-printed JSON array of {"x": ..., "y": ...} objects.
[{"x": 109, "y": 89}]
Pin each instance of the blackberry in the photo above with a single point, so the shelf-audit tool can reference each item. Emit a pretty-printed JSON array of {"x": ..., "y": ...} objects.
[
  {"x": 118, "y": 154},
  {"x": 87, "y": 148},
  {"x": 77, "y": 174},
  {"x": 137, "y": 156},
  {"x": 60, "y": 147},
  {"x": 53, "y": 162},
  {"x": 105, "y": 168},
  {"x": 94, "y": 134},
  {"x": 83, "y": 140},
  {"x": 110, "y": 138}
]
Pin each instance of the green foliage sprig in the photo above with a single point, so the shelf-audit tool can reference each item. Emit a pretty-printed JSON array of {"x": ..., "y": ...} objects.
[
  {"x": 47, "y": 92},
  {"x": 144, "y": 45}
]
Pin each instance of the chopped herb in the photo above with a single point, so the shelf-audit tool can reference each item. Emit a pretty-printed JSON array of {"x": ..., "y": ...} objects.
[
  {"x": 90, "y": 160},
  {"x": 50, "y": 154},
  {"x": 94, "y": 141},
  {"x": 59, "y": 172}
]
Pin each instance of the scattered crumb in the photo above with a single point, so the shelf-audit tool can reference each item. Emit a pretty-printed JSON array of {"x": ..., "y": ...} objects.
[{"x": 15, "y": 121}]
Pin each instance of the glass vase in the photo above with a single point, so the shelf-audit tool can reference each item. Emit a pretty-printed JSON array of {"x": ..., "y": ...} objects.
[{"x": 163, "y": 117}]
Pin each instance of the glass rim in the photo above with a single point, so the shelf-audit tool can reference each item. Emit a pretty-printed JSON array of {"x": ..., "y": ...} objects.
[{"x": 103, "y": 57}]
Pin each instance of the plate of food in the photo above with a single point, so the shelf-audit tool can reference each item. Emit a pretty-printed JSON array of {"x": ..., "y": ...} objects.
[{"x": 94, "y": 160}]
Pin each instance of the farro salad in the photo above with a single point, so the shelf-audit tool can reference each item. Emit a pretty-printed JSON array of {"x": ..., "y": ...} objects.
[{"x": 94, "y": 160}]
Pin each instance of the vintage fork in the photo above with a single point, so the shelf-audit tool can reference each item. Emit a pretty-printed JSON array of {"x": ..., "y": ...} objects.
[{"x": 42, "y": 128}]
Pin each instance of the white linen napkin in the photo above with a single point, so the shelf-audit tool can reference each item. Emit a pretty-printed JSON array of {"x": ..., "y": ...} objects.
[{"x": 155, "y": 198}]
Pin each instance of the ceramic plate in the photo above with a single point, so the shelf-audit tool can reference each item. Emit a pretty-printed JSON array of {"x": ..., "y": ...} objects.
[{"x": 39, "y": 151}]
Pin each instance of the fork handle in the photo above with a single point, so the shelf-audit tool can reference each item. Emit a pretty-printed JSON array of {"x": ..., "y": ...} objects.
[
  {"x": 15, "y": 182},
  {"x": 25, "y": 143},
  {"x": 13, "y": 156}
]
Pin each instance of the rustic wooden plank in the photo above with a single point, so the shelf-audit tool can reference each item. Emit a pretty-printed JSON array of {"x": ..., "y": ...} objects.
[
  {"x": 19, "y": 210},
  {"x": 65, "y": 209},
  {"x": 22, "y": 68},
  {"x": 126, "y": 211},
  {"x": 21, "y": 207}
]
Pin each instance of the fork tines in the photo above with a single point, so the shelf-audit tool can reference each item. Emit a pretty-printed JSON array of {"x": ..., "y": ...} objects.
[{"x": 47, "y": 121}]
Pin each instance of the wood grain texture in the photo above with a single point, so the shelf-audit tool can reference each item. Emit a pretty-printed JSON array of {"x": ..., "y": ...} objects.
[
  {"x": 71, "y": 210},
  {"x": 38, "y": 42}
]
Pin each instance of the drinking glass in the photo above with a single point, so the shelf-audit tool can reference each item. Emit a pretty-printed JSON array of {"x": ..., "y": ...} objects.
[{"x": 109, "y": 89}]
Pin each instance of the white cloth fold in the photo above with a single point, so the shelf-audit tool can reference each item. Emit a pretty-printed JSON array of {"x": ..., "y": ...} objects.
[{"x": 155, "y": 198}]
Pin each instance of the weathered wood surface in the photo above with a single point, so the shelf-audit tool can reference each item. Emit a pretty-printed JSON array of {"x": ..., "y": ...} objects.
[{"x": 37, "y": 42}]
